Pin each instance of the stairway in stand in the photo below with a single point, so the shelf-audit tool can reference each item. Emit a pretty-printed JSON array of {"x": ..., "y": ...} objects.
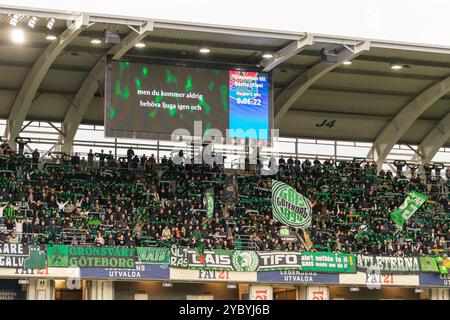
[{"x": 244, "y": 242}]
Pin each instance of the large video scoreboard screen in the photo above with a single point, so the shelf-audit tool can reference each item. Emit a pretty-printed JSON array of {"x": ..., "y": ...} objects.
[{"x": 147, "y": 101}]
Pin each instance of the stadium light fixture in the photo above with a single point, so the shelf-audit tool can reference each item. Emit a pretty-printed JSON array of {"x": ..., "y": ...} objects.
[
  {"x": 418, "y": 290},
  {"x": 267, "y": 55},
  {"x": 50, "y": 23},
  {"x": 51, "y": 37},
  {"x": 14, "y": 19},
  {"x": 18, "y": 36},
  {"x": 204, "y": 50},
  {"x": 396, "y": 66},
  {"x": 96, "y": 41},
  {"x": 347, "y": 63},
  {"x": 32, "y": 22},
  {"x": 140, "y": 45},
  {"x": 167, "y": 284},
  {"x": 354, "y": 289},
  {"x": 231, "y": 286}
]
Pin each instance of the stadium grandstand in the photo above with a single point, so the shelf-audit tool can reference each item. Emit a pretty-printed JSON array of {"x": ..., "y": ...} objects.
[{"x": 103, "y": 198}]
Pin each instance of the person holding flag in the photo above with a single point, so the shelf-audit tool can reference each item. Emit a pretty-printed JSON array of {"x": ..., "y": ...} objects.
[
  {"x": 209, "y": 202},
  {"x": 201, "y": 254},
  {"x": 413, "y": 201}
]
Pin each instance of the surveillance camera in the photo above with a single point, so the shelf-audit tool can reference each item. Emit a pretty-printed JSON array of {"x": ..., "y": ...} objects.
[{"x": 325, "y": 53}]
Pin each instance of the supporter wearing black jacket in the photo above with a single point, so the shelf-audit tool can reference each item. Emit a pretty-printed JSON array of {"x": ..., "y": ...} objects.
[
  {"x": 90, "y": 158},
  {"x": 35, "y": 157},
  {"x": 130, "y": 154},
  {"x": 75, "y": 160},
  {"x": 102, "y": 157}
]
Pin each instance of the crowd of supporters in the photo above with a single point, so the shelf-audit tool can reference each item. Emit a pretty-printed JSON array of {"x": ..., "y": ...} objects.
[{"x": 135, "y": 201}]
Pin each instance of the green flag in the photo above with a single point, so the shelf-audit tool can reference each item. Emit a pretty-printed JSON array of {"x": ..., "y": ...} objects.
[
  {"x": 290, "y": 207},
  {"x": 201, "y": 254},
  {"x": 440, "y": 263},
  {"x": 412, "y": 202},
  {"x": 209, "y": 197}
]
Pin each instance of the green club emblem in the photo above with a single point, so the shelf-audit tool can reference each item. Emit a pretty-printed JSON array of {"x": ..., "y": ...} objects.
[
  {"x": 245, "y": 260},
  {"x": 290, "y": 207},
  {"x": 36, "y": 258},
  {"x": 57, "y": 255}
]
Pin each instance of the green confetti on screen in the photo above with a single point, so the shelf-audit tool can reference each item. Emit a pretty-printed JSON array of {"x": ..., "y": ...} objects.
[
  {"x": 170, "y": 78},
  {"x": 211, "y": 86},
  {"x": 112, "y": 113},
  {"x": 216, "y": 72},
  {"x": 138, "y": 83},
  {"x": 117, "y": 89},
  {"x": 123, "y": 65},
  {"x": 224, "y": 91},
  {"x": 145, "y": 71},
  {"x": 207, "y": 127},
  {"x": 188, "y": 85},
  {"x": 158, "y": 99},
  {"x": 201, "y": 101},
  {"x": 172, "y": 112},
  {"x": 125, "y": 93},
  {"x": 181, "y": 116},
  {"x": 207, "y": 109},
  {"x": 153, "y": 113}
]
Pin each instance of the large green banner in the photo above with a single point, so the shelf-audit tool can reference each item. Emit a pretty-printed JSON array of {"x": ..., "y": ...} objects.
[
  {"x": 17, "y": 255},
  {"x": 290, "y": 207},
  {"x": 388, "y": 265},
  {"x": 153, "y": 255},
  {"x": 90, "y": 257},
  {"x": 249, "y": 261},
  {"x": 412, "y": 202},
  {"x": 209, "y": 259},
  {"x": 328, "y": 262},
  {"x": 178, "y": 257},
  {"x": 231, "y": 260}
]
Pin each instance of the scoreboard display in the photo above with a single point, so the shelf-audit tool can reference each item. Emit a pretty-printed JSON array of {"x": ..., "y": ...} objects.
[{"x": 148, "y": 101}]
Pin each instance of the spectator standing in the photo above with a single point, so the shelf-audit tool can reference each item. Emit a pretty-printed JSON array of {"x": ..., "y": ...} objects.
[
  {"x": 90, "y": 159},
  {"x": 35, "y": 158}
]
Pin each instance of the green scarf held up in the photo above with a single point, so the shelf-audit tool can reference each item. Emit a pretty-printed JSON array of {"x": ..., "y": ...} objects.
[{"x": 10, "y": 213}]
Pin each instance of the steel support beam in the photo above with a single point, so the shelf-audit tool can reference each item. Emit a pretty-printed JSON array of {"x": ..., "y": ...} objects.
[
  {"x": 437, "y": 137},
  {"x": 287, "y": 52},
  {"x": 83, "y": 99},
  {"x": 25, "y": 126},
  {"x": 111, "y": 19},
  {"x": 404, "y": 119},
  {"x": 24, "y": 99},
  {"x": 56, "y": 128},
  {"x": 302, "y": 83},
  {"x": 50, "y": 150},
  {"x": 80, "y": 103},
  {"x": 417, "y": 152},
  {"x": 122, "y": 48}
]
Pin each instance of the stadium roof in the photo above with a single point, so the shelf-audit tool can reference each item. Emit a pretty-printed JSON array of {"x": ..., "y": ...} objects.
[{"x": 368, "y": 100}]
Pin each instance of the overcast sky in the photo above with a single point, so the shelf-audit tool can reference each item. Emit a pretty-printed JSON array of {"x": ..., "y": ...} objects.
[{"x": 413, "y": 21}]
